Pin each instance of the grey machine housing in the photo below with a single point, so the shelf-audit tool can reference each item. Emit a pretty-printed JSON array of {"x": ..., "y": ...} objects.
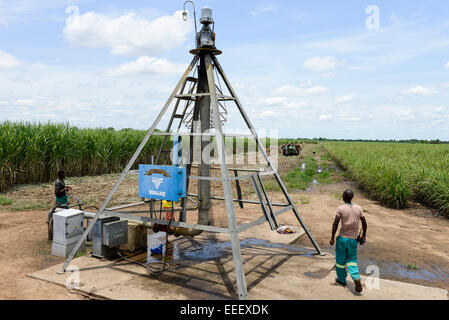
[
  {"x": 108, "y": 234},
  {"x": 68, "y": 228}
]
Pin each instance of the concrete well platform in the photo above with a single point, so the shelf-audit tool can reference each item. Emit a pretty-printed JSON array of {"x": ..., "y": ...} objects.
[{"x": 203, "y": 268}]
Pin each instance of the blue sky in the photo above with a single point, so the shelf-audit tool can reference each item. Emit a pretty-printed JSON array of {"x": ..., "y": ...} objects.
[{"x": 304, "y": 68}]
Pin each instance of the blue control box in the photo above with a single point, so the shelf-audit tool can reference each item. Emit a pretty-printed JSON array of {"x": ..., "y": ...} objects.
[{"x": 162, "y": 182}]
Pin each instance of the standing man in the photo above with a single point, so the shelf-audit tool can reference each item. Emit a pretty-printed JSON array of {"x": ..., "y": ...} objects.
[
  {"x": 62, "y": 200},
  {"x": 346, "y": 247}
]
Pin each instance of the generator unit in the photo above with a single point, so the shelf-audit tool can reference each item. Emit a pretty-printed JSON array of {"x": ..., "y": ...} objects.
[
  {"x": 67, "y": 230},
  {"x": 108, "y": 234}
]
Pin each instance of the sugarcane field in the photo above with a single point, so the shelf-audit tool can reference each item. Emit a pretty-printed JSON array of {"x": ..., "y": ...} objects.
[{"x": 294, "y": 151}]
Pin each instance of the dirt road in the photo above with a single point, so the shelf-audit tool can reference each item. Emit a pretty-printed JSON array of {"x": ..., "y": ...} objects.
[
  {"x": 24, "y": 248},
  {"x": 410, "y": 245}
]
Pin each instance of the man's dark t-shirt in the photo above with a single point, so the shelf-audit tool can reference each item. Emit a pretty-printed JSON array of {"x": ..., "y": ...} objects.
[{"x": 59, "y": 185}]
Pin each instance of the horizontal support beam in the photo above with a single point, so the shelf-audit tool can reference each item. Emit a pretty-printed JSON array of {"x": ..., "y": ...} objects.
[
  {"x": 199, "y": 134},
  {"x": 205, "y": 178},
  {"x": 234, "y": 169},
  {"x": 157, "y": 210},
  {"x": 236, "y": 135},
  {"x": 146, "y": 220},
  {"x": 194, "y": 96},
  {"x": 242, "y": 200},
  {"x": 231, "y": 178},
  {"x": 129, "y": 205},
  {"x": 131, "y": 217},
  {"x": 281, "y": 211},
  {"x": 185, "y": 134},
  {"x": 261, "y": 219}
]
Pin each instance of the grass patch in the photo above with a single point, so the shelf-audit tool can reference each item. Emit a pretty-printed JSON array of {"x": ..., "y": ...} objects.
[
  {"x": 271, "y": 185},
  {"x": 346, "y": 175},
  {"x": 30, "y": 206},
  {"x": 80, "y": 253},
  {"x": 337, "y": 195},
  {"x": 5, "y": 201},
  {"x": 412, "y": 266},
  {"x": 301, "y": 179},
  {"x": 324, "y": 177},
  {"x": 304, "y": 200}
]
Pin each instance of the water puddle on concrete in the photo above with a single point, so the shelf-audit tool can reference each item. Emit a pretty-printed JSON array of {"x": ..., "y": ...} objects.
[
  {"x": 210, "y": 250},
  {"x": 400, "y": 271},
  {"x": 320, "y": 274}
]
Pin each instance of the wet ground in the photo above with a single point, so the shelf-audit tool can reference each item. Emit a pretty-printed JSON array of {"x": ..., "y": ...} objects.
[
  {"x": 185, "y": 250},
  {"x": 398, "y": 271}
]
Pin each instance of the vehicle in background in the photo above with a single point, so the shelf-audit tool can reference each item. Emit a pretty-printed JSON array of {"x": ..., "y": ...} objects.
[{"x": 291, "y": 149}]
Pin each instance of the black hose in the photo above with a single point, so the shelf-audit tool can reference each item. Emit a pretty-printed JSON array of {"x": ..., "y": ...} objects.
[{"x": 151, "y": 270}]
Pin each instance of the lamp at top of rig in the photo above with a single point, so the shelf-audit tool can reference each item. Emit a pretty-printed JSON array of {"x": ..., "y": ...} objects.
[{"x": 206, "y": 37}]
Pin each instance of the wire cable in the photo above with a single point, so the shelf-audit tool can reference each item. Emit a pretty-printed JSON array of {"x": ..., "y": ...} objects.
[
  {"x": 150, "y": 269},
  {"x": 147, "y": 266}
]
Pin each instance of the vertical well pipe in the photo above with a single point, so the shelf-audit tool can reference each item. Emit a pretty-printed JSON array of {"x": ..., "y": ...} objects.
[{"x": 204, "y": 164}]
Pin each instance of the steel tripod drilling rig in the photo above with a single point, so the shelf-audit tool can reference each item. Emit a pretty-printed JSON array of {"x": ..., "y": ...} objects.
[{"x": 204, "y": 115}]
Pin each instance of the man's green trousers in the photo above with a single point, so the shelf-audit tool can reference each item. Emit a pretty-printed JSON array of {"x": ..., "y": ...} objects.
[{"x": 346, "y": 257}]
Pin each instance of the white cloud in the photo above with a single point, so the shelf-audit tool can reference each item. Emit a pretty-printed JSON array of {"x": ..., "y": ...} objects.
[
  {"x": 262, "y": 10},
  {"x": 345, "y": 98},
  {"x": 268, "y": 114},
  {"x": 324, "y": 117},
  {"x": 447, "y": 65},
  {"x": 350, "y": 118},
  {"x": 24, "y": 102},
  {"x": 403, "y": 113},
  {"x": 322, "y": 63},
  {"x": 281, "y": 102},
  {"x": 127, "y": 34},
  {"x": 290, "y": 90},
  {"x": 147, "y": 65},
  {"x": 270, "y": 101},
  {"x": 420, "y": 90},
  {"x": 8, "y": 61},
  {"x": 295, "y": 104}
]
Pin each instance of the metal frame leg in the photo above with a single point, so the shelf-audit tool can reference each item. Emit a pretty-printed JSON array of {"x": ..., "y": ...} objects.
[
  {"x": 235, "y": 242},
  {"x": 264, "y": 191},
  {"x": 298, "y": 216},
  {"x": 262, "y": 204},
  {"x": 239, "y": 190},
  {"x": 262, "y": 149}
]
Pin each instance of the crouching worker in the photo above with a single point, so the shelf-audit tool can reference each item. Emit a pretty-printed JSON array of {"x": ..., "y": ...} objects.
[
  {"x": 346, "y": 247},
  {"x": 62, "y": 200}
]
